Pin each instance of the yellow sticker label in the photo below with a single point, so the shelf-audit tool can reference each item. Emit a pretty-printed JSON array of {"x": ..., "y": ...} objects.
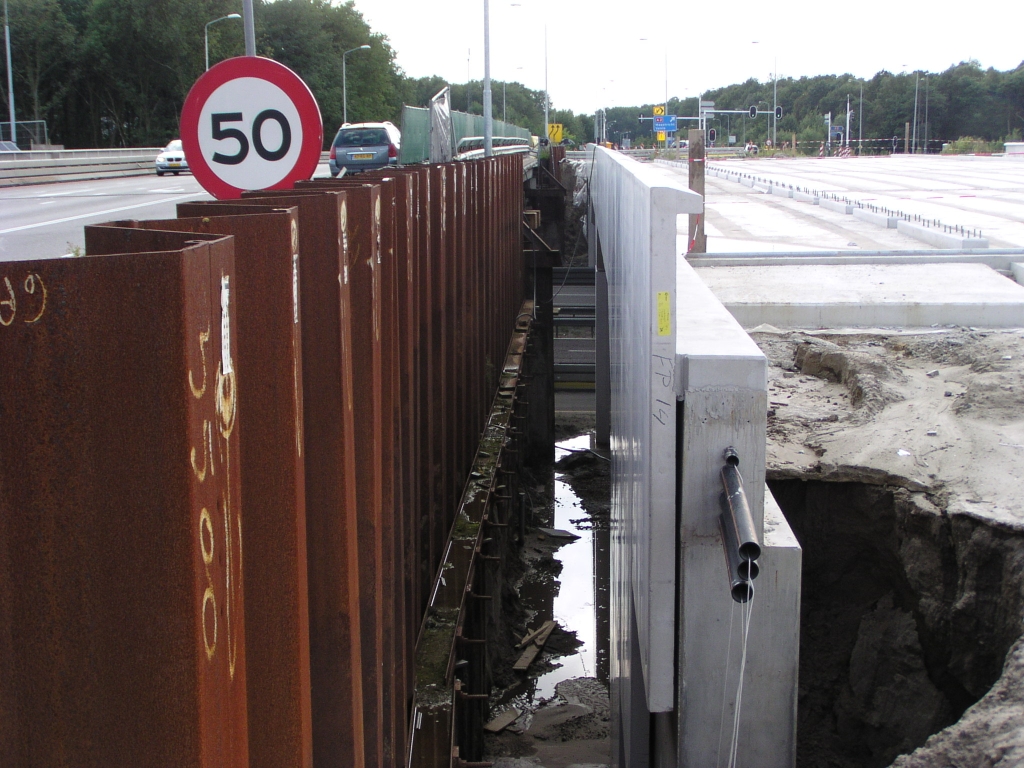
[{"x": 664, "y": 314}]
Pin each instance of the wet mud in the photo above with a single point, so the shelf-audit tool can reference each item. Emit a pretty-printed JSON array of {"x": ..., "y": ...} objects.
[{"x": 562, "y": 698}]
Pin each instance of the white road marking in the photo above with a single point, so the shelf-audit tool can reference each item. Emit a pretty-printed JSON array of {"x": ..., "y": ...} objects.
[
  {"x": 95, "y": 213},
  {"x": 73, "y": 192}
]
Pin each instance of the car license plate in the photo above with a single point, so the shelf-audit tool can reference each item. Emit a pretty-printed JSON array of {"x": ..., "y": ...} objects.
[
  {"x": 363, "y": 156},
  {"x": 174, "y": 165}
]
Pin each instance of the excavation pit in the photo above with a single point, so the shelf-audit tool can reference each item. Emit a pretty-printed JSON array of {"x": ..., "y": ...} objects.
[
  {"x": 895, "y": 456},
  {"x": 908, "y": 615}
]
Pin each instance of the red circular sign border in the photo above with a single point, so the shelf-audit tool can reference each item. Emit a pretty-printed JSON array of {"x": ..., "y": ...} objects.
[{"x": 264, "y": 69}]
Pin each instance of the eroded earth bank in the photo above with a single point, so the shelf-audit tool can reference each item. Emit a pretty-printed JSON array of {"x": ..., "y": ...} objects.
[{"x": 897, "y": 458}]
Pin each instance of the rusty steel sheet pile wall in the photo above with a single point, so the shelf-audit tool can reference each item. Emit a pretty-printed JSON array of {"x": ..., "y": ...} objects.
[
  {"x": 273, "y": 478},
  {"x": 336, "y": 667},
  {"x": 122, "y": 639},
  {"x": 449, "y": 707},
  {"x": 326, "y": 399}
]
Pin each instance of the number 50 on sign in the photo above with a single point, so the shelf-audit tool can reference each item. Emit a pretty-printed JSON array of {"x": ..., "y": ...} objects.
[{"x": 250, "y": 123}]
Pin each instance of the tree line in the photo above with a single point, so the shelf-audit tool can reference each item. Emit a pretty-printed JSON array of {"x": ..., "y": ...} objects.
[
  {"x": 115, "y": 73},
  {"x": 112, "y": 73},
  {"x": 964, "y": 100}
]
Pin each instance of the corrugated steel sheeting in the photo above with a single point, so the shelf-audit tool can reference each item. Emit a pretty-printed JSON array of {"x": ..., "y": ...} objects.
[{"x": 309, "y": 371}]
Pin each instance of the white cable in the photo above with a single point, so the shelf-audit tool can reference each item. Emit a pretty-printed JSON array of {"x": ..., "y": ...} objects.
[
  {"x": 725, "y": 685},
  {"x": 745, "y": 621}
]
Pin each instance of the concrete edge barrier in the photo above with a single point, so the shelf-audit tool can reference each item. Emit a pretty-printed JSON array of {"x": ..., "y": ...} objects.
[
  {"x": 835, "y": 205},
  {"x": 70, "y": 154},
  {"x": 54, "y": 175},
  {"x": 77, "y": 165},
  {"x": 916, "y": 315},
  {"x": 803, "y": 197},
  {"x": 39, "y": 163},
  {"x": 938, "y": 238},
  {"x": 52, "y": 167},
  {"x": 878, "y": 219},
  {"x": 761, "y": 185},
  {"x": 85, "y": 175},
  {"x": 1017, "y": 270},
  {"x": 995, "y": 259},
  {"x": 747, "y": 182},
  {"x": 781, "y": 191}
]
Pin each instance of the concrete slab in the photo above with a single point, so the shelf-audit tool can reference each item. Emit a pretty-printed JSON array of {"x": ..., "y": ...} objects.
[
  {"x": 1018, "y": 272},
  {"x": 836, "y": 205},
  {"x": 878, "y": 219},
  {"x": 906, "y": 295},
  {"x": 938, "y": 238},
  {"x": 976, "y": 192}
]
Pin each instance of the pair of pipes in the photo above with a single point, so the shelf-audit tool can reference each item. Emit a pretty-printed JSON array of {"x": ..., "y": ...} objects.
[{"x": 739, "y": 537}]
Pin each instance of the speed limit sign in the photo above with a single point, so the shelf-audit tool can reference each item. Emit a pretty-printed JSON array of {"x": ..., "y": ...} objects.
[{"x": 250, "y": 123}]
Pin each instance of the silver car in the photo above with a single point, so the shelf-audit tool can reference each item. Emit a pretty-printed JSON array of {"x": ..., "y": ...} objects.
[
  {"x": 171, "y": 159},
  {"x": 365, "y": 147}
]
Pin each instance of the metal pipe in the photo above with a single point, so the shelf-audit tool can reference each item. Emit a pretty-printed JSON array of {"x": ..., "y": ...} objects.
[
  {"x": 736, "y": 509},
  {"x": 738, "y": 569},
  {"x": 10, "y": 79},
  {"x": 488, "y": 119},
  {"x": 249, "y": 26}
]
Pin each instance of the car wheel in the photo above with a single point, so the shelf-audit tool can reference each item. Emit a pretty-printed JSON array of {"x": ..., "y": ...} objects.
[{"x": 159, "y": 173}]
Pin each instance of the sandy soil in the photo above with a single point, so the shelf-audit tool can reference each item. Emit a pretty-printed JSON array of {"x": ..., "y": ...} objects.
[
  {"x": 937, "y": 410},
  {"x": 936, "y": 415}
]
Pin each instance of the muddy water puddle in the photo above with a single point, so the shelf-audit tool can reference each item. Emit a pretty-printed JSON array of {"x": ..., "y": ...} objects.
[{"x": 563, "y": 585}]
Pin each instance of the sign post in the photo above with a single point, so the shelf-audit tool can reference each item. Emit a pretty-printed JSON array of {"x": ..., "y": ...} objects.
[{"x": 250, "y": 123}]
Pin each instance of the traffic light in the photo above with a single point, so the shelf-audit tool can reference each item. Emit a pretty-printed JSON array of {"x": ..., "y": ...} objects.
[
  {"x": 712, "y": 135},
  {"x": 753, "y": 110},
  {"x": 778, "y": 113}
]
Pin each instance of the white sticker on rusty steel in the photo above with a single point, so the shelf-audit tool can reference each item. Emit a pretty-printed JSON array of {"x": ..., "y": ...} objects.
[
  {"x": 295, "y": 288},
  {"x": 225, "y": 325}
]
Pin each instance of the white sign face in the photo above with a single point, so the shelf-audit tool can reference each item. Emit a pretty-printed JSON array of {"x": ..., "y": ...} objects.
[
  {"x": 250, "y": 123},
  {"x": 247, "y": 146}
]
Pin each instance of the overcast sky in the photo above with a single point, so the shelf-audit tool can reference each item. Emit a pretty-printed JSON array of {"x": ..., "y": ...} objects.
[{"x": 606, "y": 53}]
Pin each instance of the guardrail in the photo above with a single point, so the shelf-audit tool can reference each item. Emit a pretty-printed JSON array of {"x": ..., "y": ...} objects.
[
  {"x": 53, "y": 166},
  {"x": 49, "y": 166}
]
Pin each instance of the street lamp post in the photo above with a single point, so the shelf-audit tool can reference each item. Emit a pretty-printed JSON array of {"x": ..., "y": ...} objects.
[
  {"x": 249, "y": 28},
  {"x": 917, "y": 85},
  {"x": 846, "y": 136},
  {"x": 488, "y": 116},
  {"x": 344, "y": 81},
  {"x": 10, "y": 77},
  {"x": 860, "y": 122},
  {"x": 547, "y": 129},
  {"x": 206, "y": 34},
  {"x": 775, "y": 106}
]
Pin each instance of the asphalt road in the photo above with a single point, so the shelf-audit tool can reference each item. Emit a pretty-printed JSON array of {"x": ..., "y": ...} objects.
[{"x": 46, "y": 220}]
